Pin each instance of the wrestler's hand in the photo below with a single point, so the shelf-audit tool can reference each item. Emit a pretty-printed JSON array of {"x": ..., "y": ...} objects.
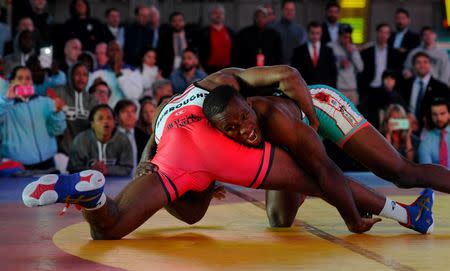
[
  {"x": 145, "y": 168},
  {"x": 219, "y": 192},
  {"x": 365, "y": 225}
]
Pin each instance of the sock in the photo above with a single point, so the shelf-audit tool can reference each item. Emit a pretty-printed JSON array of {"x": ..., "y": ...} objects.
[
  {"x": 101, "y": 201},
  {"x": 394, "y": 211}
]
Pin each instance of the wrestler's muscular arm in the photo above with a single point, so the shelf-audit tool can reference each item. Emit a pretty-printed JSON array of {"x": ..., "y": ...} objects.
[
  {"x": 283, "y": 128},
  {"x": 286, "y": 78}
]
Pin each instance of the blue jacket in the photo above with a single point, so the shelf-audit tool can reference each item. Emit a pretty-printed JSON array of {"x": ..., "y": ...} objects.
[
  {"x": 28, "y": 129},
  {"x": 180, "y": 82}
]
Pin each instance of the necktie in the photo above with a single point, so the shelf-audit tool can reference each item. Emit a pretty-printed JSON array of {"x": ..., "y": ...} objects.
[
  {"x": 179, "y": 46},
  {"x": 443, "y": 153},
  {"x": 155, "y": 38},
  {"x": 419, "y": 99},
  {"x": 315, "y": 58}
]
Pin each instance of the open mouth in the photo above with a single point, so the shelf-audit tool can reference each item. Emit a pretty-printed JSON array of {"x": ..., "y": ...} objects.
[{"x": 253, "y": 137}]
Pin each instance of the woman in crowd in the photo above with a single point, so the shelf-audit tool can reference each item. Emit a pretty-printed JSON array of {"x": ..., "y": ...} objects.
[{"x": 397, "y": 129}]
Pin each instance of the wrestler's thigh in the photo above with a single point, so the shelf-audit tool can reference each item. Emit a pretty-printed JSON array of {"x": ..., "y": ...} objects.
[{"x": 286, "y": 175}]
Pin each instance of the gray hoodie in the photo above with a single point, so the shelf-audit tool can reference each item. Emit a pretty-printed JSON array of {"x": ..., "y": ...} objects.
[
  {"x": 77, "y": 108},
  {"x": 116, "y": 153}
]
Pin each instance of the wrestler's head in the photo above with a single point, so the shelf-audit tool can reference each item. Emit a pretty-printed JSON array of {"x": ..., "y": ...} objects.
[{"x": 232, "y": 114}]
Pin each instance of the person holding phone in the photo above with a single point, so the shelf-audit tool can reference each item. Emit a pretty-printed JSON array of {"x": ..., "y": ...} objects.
[
  {"x": 40, "y": 119},
  {"x": 397, "y": 129}
]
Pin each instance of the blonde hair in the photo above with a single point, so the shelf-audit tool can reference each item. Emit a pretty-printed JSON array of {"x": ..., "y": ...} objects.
[{"x": 386, "y": 115}]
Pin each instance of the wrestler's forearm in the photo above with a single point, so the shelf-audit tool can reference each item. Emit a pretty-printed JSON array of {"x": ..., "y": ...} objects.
[
  {"x": 310, "y": 153},
  {"x": 149, "y": 149}
]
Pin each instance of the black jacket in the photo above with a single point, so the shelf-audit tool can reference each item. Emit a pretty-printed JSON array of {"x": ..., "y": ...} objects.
[
  {"x": 166, "y": 52},
  {"x": 368, "y": 74},
  {"x": 138, "y": 39},
  {"x": 89, "y": 31},
  {"x": 324, "y": 73},
  {"x": 434, "y": 89},
  {"x": 250, "y": 40},
  {"x": 410, "y": 41}
]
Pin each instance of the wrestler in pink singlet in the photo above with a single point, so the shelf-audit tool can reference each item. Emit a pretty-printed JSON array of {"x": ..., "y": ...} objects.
[{"x": 191, "y": 153}]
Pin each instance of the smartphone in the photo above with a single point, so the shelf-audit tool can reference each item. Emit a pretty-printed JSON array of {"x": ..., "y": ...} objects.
[
  {"x": 24, "y": 91},
  {"x": 400, "y": 123},
  {"x": 46, "y": 57}
]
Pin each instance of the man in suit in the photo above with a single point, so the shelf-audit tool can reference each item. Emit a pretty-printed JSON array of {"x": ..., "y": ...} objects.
[
  {"x": 419, "y": 91},
  {"x": 330, "y": 27},
  {"x": 138, "y": 37},
  {"x": 126, "y": 114},
  {"x": 377, "y": 58},
  {"x": 403, "y": 40},
  {"x": 172, "y": 43},
  {"x": 315, "y": 60},
  {"x": 112, "y": 16},
  {"x": 257, "y": 44}
]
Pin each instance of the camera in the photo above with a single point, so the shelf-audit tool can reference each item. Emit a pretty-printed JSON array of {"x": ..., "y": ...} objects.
[
  {"x": 399, "y": 123},
  {"x": 46, "y": 57},
  {"x": 24, "y": 91}
]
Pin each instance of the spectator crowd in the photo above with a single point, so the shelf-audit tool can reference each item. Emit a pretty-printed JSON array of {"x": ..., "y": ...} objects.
[{"x": 83, "y": 94}]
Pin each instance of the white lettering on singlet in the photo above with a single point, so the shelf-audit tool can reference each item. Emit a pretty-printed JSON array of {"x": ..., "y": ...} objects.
[{"x": 191, "y": 96}]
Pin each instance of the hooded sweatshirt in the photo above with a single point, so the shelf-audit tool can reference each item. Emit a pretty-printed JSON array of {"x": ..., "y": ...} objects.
[
  {"x": 116, "y": 153},
  {"x": 77, "y": 108}
]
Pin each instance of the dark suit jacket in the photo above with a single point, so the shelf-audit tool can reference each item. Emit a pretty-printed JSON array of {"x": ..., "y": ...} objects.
[
  {"x": 250, "y": 40},
  {"x": 138, "y": 39},
  {"x": 166, "y": 53},
  {"x": 141, "y": 140},
  {"x": 324, "y": 73},
  {"x": 434, "y": 89},
  {"x": 325, "y": 34},
  {"x": 410, "y": 41},
  {"x": 368, "y": 74}
]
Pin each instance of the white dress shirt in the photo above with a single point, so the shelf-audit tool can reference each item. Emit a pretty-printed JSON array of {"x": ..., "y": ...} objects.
[
  {"x": 380, "y": 55},
  {"x": 311, "y": 50}
]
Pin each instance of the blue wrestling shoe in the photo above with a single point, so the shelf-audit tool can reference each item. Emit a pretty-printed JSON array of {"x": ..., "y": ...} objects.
[
  {"x": 84, "y": 189},
  {"x": 420, "y": 213}
]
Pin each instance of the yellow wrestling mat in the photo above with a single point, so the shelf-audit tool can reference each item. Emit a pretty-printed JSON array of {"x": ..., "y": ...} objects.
[{"x": 237, "y": 237}]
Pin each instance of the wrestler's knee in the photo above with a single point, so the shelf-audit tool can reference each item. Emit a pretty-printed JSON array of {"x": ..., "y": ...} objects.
[
  {"x": 283, "y": 216},
  {"x": 102, "y": 235},
  {"x": 280, "y": 218}
]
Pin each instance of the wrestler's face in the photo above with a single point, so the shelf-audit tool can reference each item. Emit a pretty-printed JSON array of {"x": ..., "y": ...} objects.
[{"x": 239, "y": 122}]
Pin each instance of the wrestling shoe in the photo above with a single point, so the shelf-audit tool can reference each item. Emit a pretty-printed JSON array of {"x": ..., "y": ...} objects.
[
  {"x": 84, "y": 189},
  {"x": 420, "y": 213}
]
